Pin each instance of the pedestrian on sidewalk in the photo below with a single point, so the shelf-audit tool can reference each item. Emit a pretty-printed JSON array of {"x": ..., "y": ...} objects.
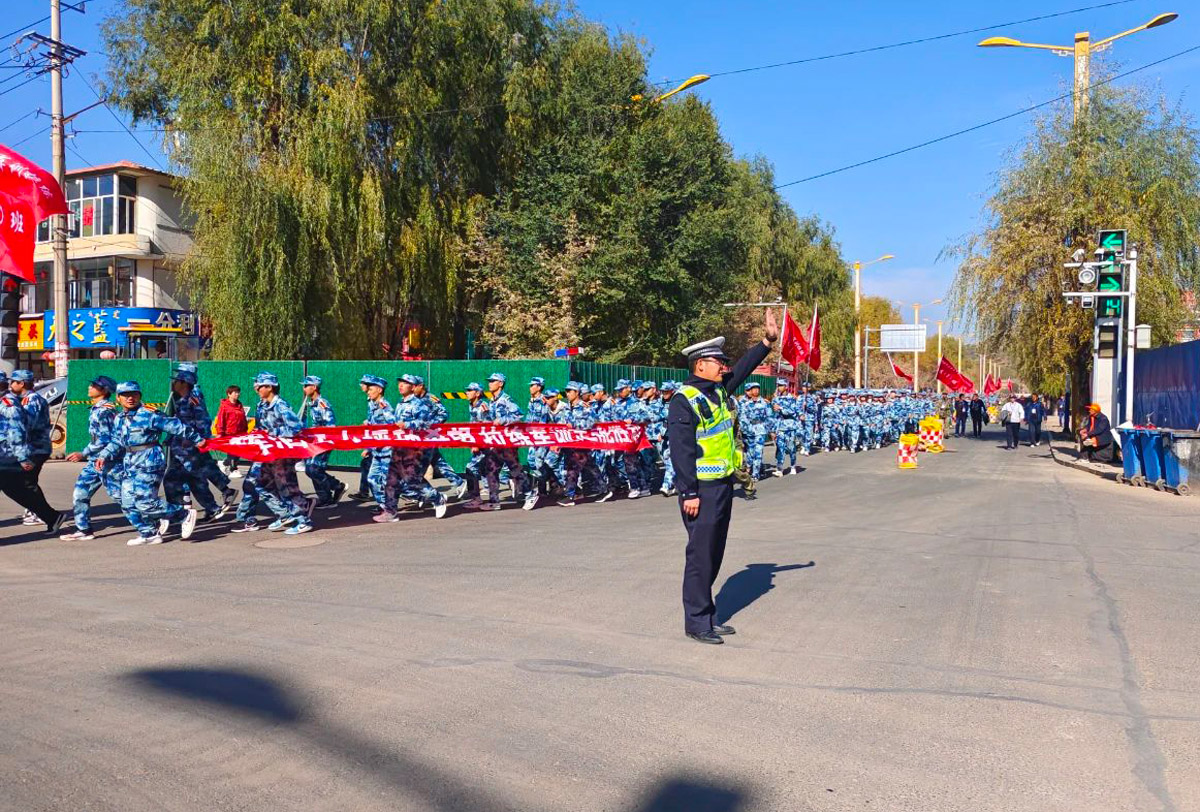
[
  {"x": 1035, "y": 413},
  {"x": 1011, "y": 415}
]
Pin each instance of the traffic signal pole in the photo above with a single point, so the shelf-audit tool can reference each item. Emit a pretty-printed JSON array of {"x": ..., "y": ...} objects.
[{"x": 1131, "y": 333}]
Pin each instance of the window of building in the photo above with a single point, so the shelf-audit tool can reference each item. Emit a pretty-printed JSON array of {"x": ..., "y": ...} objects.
[
  {"x": 100, "y": 205},
  {"x": 100, "y": 282}
]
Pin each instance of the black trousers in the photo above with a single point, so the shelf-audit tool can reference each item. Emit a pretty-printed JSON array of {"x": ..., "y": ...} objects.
[
  {"x": 1035, "y": 432},
  {"x": 976, "y": 425},
  {"x": 22, "y": 487},
  {"x": 1013, "y": 439},
  {"x": 707, "y": 533}
]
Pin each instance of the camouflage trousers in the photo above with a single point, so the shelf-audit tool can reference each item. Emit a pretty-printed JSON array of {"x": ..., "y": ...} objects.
[
  {"x": 406, "y": 477},
  {"x": 497, "y": 459},
  {"x": 86, "y": 485},
  {"x": 142, "y": 473},
  {"x": 185, "y": 474},
  {"x": 317, "y": 469},
  {"x": 576, "y": 462},
  {"x": 280, "y": 490}
]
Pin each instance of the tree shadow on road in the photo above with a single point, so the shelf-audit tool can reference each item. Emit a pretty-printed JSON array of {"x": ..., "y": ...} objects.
[
  {"x": 746, "y": 586},
  {"x": 261, "y": 700}
]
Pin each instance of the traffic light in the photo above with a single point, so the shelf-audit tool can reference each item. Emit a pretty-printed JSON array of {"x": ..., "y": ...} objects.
[
  {"x": 1108, "y": 338},
  {"x": 10, "y": 315}
]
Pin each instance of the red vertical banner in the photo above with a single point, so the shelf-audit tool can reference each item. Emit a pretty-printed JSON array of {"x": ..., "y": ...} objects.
[{"x": 17, "y": 227}]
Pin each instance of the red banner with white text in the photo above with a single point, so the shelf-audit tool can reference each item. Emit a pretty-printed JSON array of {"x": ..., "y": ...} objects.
[{"x": 258, "y": 446}]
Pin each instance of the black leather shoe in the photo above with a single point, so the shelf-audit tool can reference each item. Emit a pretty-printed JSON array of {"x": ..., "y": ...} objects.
[
  {"x": 710, "y": 637},
  {"x": 722, "y": 629}
]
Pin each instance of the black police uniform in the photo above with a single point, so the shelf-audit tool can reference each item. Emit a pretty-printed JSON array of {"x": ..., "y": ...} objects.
[{"x": 708, "y": 530}]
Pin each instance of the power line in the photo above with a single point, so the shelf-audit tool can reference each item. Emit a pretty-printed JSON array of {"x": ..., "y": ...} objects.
[
  {"x": 972, "y": 129},
  {"x": 24, "y": 28},
  {"x": 12, "y": 124},
  {"x": 33, "y": 78},
  {"x": 42, "y": 131},
  {"x": 125, "y": 127},
  {"x": 906, "y": 43}
]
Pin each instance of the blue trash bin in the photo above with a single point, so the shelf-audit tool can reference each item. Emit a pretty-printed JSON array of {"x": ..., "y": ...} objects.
[
  {"x": 1153, "y": 450},
  {"x": 1131, "y": 456},
  {"x": 1180, "y": 447}
]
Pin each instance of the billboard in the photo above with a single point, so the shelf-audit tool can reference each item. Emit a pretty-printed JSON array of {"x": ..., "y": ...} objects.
[{"x": 902, "y": 337}]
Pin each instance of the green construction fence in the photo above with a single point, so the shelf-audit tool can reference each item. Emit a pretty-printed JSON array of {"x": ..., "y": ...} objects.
[{"x": 341, "y": 388}]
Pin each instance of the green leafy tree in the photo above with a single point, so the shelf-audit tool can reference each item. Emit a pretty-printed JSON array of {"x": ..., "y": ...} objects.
[{"x": 1131, "y": 163}]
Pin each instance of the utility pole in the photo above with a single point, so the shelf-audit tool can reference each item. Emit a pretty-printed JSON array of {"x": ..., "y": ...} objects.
[
  {"x": 58, "y": 224},
  {"x": 1131, "y": 334}
]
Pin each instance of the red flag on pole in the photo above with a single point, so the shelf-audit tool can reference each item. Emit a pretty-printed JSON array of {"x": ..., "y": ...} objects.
[
  {"x": 17, "y": 228},
  {"x": 793, "y": 346},
  {"x": 814, "y": 341},
  {"x": 897, "y": 371},
  {"x": 968, "y": 385},
  {"x": 991, "y": 386},
  {"x": 949, "y": 376},
  {"x": 23, "y": 178}
]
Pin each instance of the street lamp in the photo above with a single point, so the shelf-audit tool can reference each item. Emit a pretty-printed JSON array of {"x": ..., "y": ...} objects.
[
  {"x": 858, "y": 266},
  {"x": 691, "y": 81},
  {"x": 1081, "y": 51},
  {"x": 916, "y": 355},
  {"x": 939, "y": 326}
]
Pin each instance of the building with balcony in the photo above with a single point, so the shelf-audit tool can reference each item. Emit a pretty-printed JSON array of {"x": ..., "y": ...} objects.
[{"x": 127, "y": 236}]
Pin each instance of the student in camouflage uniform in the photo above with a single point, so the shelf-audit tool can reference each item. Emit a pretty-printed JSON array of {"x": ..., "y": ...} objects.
[
  {"x": 787, "y": 412},
  {"x": 134, "y": 444},
  {"x": 101, "y": 417},
  {"x": 277, "y": 480},
  {"x": 406, "y": 471},
  {"x": 316, "y": 411}
]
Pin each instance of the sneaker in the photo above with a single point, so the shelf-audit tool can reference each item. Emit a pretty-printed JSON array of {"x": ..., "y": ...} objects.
[
  {"x": 607, "y": 495},
  {"x": 634, "y": 494},
  {"x": 230, "y": 496},
  {"x": 385, "y": 516},
  {"x": 337, "y": 495},
  {"x": 189, "y": 524},
  {"x": 794, "y": 470},
  {"x": 777, "y": 472},
  {"x": 530, "y": 501},
  {"x": 29, "y": 518},
  {"x": 490, "y": 506},
  {"x": 359, "y": 496},
  {"x": 78, "y": 535},
  {"x": 279, "y": 524},
  {"x": 302, "y": 527},
  {"x": 473, "y": 503},
  {"x": 138, "y": 541},
  {"x": 567, "y": 501},
  {"x": 57, "y": 524},
  {"x": 312, "y": 505},
  {"x": 247, "y": 527},
  {"x": 235, "y": 474},
  {"x": 439, "y": 510},
  {"x": 163, "y": 526},
  {"x": 460, "y": 492}
]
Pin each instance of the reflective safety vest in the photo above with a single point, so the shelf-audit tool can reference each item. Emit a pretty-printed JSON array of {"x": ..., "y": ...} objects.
[{"x": 719, "y": 454}]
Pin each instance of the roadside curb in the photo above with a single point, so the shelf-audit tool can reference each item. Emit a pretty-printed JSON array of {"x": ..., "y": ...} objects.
[{"x": 1079, "y": 465}]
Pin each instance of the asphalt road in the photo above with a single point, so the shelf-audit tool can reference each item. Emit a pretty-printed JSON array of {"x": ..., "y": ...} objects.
[{"x": 990, "y": 632}]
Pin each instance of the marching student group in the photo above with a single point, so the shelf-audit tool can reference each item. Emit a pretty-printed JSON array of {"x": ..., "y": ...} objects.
[{"x": 126, "y": 456}]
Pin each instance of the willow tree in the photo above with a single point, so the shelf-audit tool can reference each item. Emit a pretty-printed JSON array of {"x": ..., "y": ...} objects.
[
  {"x": 1130, "y": 163},
  {"x": 334, "y": 154}
]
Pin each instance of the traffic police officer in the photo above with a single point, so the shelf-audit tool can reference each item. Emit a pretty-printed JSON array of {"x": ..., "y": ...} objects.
[{"x": 703, "y": 450}]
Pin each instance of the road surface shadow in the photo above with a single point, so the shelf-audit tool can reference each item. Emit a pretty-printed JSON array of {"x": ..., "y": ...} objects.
[
  {"x": 262, "y": 700},
  {"x": 746, "y": 586}
]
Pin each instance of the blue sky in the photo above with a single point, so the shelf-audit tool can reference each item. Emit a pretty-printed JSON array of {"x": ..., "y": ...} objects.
[{"x": 805, "y": 119}]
